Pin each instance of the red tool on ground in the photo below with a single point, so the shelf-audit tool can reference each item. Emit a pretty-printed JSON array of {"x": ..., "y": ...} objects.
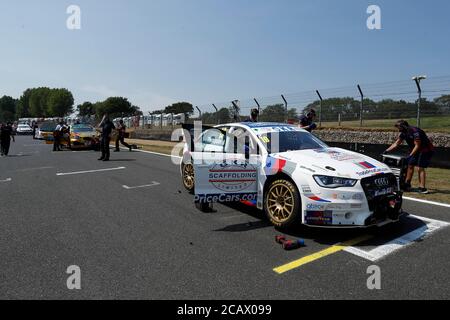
[{"x": 289, "y": 244}]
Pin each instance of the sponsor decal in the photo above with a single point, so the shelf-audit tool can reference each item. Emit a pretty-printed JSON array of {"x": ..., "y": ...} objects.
[
  {"x": 251, "y": 203},
  {"x": 316, "y": 198},
  {"x": 338, "y": 155},
  {"x": 274, "y": 166},
  {"x": 365, "y": 165},
  {"x": 383, "y": 192},
  {"x": 370, "y": 172},
  {"x": 319, "y": 217},
  {"x": 225, "y": 197},
  {"x": 232, "y": 177},
  {"x": 306, "y": 188},
  {"x": 315, "y": 207}
]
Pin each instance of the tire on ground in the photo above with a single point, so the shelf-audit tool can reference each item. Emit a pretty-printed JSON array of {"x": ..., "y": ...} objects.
[
  {"x": 188, "y": 182},
  {"x": 282, "y": 194}
]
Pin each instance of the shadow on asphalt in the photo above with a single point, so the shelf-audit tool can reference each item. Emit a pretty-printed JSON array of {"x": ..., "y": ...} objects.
[
  {"x": 327, "y": 236},
  {"x": 121, "y": 160}
]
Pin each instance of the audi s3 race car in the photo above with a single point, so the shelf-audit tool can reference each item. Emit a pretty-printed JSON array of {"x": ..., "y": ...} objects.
[{"x": 290, "y": 174}]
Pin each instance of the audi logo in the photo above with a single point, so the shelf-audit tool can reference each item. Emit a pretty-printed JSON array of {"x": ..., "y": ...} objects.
[{"x": 382, "y": 182}]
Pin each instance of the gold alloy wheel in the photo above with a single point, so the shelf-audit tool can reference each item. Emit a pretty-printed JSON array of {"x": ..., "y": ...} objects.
[
  {"x": 280, "y": 202},
  {"x": 188, "y": 176}
]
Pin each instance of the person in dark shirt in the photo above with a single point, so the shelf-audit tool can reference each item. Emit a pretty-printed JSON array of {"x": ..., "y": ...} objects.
[
  {"x": 421, "y": 152},
  {"x": 6, "y": 134},
  {"x": 106, "y": 128},
  {"x": 307, "y": 122},
  {"x": 121, "y": 136},
  {"x": 254, "y": 114}
]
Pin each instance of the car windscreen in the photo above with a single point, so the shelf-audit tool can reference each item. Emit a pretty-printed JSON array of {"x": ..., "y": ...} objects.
[
  {"x": 82, "y": 129},
  {"x": 290, "y": 141},
  {"x": 48, "y": 127}
]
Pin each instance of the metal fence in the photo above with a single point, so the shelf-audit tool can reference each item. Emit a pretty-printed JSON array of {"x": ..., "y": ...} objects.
[{"x": 360, "y": 105}]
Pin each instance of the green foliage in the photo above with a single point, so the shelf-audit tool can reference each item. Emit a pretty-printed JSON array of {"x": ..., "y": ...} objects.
[
  {"x": 23, "y": 106},
  {"x": 116, "y": 107},
  {"x": 86, "y": 109},
  {"x": 277, "y": 113},
  {"x": 8, "y": 107},
  {"x": 60, "y": 102},
  {"x": 180, "y": 107},
  {"x": 38, "y": 102},
  {"x": 219, "y": 117}
]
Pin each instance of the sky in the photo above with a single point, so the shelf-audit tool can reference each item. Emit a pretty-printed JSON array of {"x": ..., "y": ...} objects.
[{"x": 156, "y": 52}]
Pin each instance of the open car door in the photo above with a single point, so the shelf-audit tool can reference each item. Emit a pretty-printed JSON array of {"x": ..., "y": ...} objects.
[{"x": 224, "y": 171}]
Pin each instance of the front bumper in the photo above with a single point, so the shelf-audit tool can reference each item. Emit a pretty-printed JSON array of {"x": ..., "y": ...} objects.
[{"x": 363, "y": 206}]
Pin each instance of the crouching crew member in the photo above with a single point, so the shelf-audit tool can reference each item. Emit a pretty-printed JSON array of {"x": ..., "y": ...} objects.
[
  {"x": 307, "y": 122},
  {"x": 421, "y": 152}
]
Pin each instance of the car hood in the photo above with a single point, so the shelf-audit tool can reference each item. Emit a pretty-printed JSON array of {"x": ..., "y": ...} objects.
[
  {"x": 335, "y": 162},
  {"x": 84, "y": 134}
]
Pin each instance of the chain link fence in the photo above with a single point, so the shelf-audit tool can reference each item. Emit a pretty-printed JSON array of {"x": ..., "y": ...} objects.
[{"x": 362, "y": 105}]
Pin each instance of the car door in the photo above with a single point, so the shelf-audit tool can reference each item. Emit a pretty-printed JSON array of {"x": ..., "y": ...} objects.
[{"x": 224, "y": 171}]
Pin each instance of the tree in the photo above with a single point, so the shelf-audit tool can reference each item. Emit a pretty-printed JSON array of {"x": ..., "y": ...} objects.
[
  {"x": 86, "y": 109},
  {"x": 38, "y": 102},
  {"x": 116, "y": 107},
  {"x": 7, "y": 108},
  {"x": 23, "y": 106},
  {"x": 180, "y": 107},
  {"x": 276, "y": 113},
  {"x": 60, "y": 103}
]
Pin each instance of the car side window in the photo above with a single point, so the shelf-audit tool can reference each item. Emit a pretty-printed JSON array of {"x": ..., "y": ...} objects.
[
  {"x": 212, "y": 140},
  {"x": 240, "y": 141}
]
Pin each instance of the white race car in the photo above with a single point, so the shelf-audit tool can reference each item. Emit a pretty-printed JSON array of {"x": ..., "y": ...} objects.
[{"x": 290, "y": 174}]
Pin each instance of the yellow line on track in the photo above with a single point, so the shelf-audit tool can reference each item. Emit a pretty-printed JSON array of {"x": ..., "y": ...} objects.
[{"x": 320, "y": 254}]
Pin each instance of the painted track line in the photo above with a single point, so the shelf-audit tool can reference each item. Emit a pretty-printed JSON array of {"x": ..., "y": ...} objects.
[
  {"x": 401, "y": 242},
  {"x": 428, "y": 202},
  {"x": 153, "y": 184},
  {"x": 89, "y": 171},
  {"x": 151, "y": 152},
  {"x": 320, "y": 254}
]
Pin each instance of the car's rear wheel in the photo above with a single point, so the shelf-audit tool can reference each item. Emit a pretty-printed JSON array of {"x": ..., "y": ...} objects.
[
  {"x": 282, "y": 203},
  {"x": 188, "y": 176}
]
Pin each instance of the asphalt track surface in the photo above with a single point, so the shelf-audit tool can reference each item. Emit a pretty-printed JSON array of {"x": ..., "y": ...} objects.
[{"x": 151, "y": 242}]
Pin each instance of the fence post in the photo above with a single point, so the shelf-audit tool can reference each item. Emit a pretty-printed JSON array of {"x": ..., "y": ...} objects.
[
  {"x": 236, "y": 111},
  {"x": 339, "y": 119},
  {"x": 217, "y": 115},
  {"x": 199, "y": 112},
  {"x": 320, "y": 108},
  {"x": 161, "y": 120},
  {"x": 285, "y": 109},
  {"x": 361, "y": 107},
  {"x": 259, "y": 106}
]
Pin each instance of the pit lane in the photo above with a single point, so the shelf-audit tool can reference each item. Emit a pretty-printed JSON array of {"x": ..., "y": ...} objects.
[{"x": 152, "y": 243}]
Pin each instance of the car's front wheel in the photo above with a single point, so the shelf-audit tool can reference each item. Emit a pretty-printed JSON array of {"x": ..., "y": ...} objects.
[
  {"x": 282, "y": 203},
  {"x": 188, "y": 176}
]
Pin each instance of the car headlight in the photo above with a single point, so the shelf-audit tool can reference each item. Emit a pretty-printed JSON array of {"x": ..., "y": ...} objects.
[{"x": 334, "y": 182}]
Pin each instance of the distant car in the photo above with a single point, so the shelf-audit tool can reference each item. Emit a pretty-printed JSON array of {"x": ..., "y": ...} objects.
[
  {"x": 84, "y": 136},
  {"x": 45, "y": 131},
  {"x": 24, "y": 129}
]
